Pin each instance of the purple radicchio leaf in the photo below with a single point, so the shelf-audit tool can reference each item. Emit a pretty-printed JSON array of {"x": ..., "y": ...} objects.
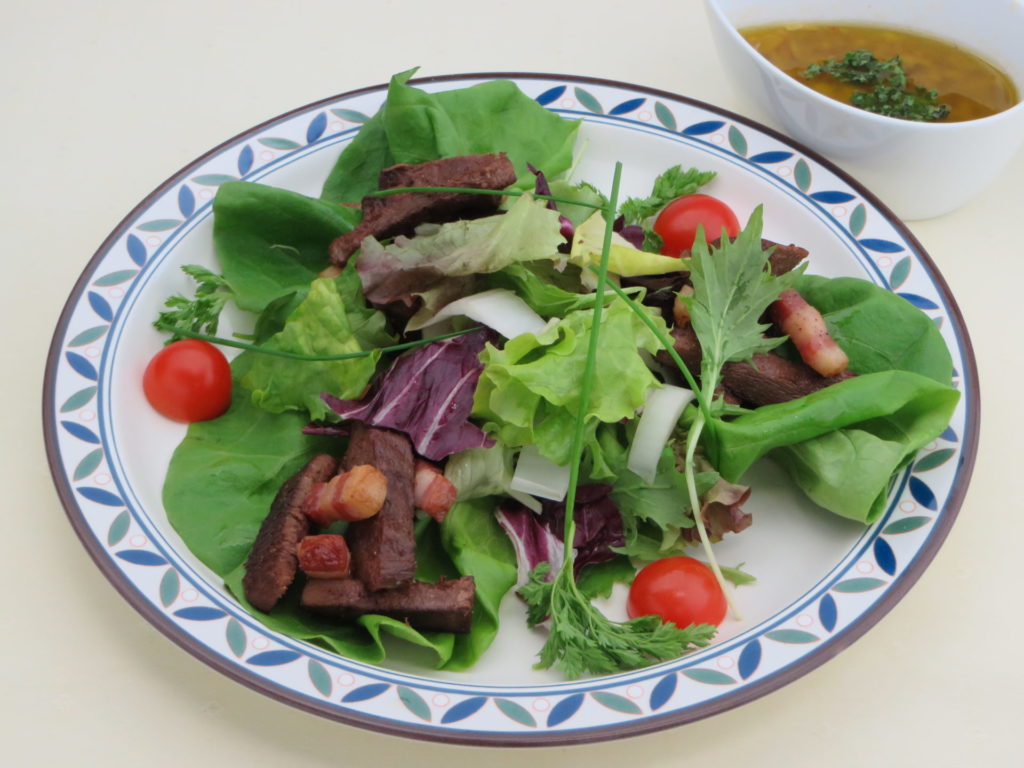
[
  {"x": 538, "y": 537},
  {"x": 598, "y": 524},
  {"x": 427, "y": 394},
  {"x": 533, "y": 542},
  {"x": 541, "y": 187},
  {"x": 634, "y": 233},
  {"x": 721, "y": 512}
]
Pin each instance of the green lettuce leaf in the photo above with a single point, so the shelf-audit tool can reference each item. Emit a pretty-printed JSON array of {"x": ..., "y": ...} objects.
[
  {"x": 536, "y": 283},
  {"x": 584, "y": 197},
  {"x": 526, "y": 232},
  {"x": 842, "y": 445},
  {"x": 332, "y": 319},
  {"x": 477, "y": 545},
  {"x": 480, "y": 472},
  {"x": 878, "y": 330},
  {"x": 528, "y": 392},
  {"x": 270, "y": 241},
  {"x": 415, "y": 126},
  {"x": 653, "y": 514},
  {"x": 219, "y": 517},
  {"x": 222, "y": 477}
]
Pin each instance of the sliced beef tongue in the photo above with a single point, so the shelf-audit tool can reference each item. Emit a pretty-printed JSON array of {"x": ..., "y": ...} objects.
[
  {"x": 384, "y": 546},
  {"x": 770, "y": 378},
  {"x": 273, "y": 561},
  {"x": 784, "y": 258},
  {"x": 446, "y": 606},
  {"x": 400, "y": 214}
]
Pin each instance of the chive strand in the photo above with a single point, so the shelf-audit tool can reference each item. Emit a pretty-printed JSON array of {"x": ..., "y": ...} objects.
[
  {"x": 223, "y": 342},
  {"x": 587, "y": 383},
  {"x": 477, "y": 191}
]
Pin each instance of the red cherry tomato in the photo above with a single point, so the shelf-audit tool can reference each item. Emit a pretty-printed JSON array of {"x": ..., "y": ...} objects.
[
  {"x": 678, "y": 589},
  {"x": 678, "y": 221},
  {"x": 188, "y": 380}
]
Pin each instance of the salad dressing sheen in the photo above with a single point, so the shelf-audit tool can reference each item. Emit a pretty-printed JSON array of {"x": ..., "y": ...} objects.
[{"x": 970, "y": 85}]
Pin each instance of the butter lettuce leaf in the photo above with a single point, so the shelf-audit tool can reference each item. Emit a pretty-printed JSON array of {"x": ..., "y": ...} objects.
[
  {"x": 271, "y": 242},
  {"x": 219, "y": 517},
  {"x": 528, "y": 393},
  {"x": 415, "y": 126},
  {"x": 224, "y": 475},
  {"x": 842, "y": 445},
  {"x": 332, "y": 319}
]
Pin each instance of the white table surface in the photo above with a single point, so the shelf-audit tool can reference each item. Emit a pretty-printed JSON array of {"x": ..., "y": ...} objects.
[{"x": 104, "y": 100}]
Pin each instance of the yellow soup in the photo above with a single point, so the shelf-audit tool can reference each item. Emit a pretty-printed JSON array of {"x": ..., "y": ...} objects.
[{"x": 968, "y": 84}]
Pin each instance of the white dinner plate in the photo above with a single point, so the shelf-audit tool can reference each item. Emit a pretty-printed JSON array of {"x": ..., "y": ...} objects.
[{"x": 821, "y": 581}]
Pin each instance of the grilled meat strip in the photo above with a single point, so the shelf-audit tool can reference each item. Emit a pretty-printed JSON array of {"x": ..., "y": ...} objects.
[
  {"x": 446, "y": 606},
  {"x": 773, "y": 379},
  {"x": 273, "y": 561},
  {"x": 383, "y": 546},
  {"x": 400, "y": 214}
]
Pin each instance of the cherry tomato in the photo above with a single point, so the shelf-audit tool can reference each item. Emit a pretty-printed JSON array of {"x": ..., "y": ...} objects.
[
  {"x": 678, "y": 221},
  {"x": 678, "y": 589},
  {"x": 188, "y": 380}
]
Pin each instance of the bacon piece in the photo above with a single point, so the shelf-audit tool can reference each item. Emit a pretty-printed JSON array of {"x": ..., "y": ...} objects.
[
  {"x": 350, "y": 496},
  {"x": 324, "y": 556},
  {"x": 681, "y": 312},
  {"x": 806, "y": 329},
  {"x": 432, "y": 491}
]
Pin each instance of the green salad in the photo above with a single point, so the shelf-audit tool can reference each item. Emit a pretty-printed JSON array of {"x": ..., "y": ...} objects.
[{"x": 569, "y": 395}]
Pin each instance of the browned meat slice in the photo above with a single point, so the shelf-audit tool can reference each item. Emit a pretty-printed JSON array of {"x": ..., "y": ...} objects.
[
  {"x": 273, "y": 561},
  {"x": 785, "y": 257},
  {"x": 687, "y": 346},
  {"x": 773, "y": 379},
  {"x": 383, "y": 546},
  {"x": 400, "y": 214},
  {"x": 446, "y": 606},
  {"x": 661, "y": 290}
]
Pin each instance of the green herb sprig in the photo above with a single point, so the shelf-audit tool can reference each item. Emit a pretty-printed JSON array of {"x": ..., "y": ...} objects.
[
  {"x": 582, "y": 639},
  {"x": 200, "y": 314},
  {"x": 732, "y": 288},
  {"x": 672, "y": 183},
  {"x": 890, "y": 94}
]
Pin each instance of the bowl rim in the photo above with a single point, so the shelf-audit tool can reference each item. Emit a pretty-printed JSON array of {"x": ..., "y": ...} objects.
[{"x": 715, "y": 9}]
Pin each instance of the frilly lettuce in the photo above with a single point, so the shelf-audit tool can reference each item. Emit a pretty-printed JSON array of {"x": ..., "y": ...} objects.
[
  {"x": 529, "y": 391},
  {"x": 410, "y": 265},
  {"x": 332, "y": 319}
]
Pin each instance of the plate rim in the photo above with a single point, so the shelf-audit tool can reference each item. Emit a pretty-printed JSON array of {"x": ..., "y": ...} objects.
[{"x": 654, "y": 722}]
